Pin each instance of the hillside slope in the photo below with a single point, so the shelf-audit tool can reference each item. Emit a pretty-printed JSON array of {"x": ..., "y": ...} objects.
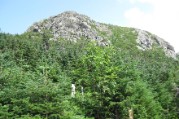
[
  {"x": 73, "y": 26},
  {"x": 98, "y": 72}
]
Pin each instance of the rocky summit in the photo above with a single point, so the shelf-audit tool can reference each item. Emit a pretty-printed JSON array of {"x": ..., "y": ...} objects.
[{"x": 72, "y": 26}]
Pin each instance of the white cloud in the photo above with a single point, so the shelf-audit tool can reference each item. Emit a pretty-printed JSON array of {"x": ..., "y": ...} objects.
[{"x": 162, "y": 20}]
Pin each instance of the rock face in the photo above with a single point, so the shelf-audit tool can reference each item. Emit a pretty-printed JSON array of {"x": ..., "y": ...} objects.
[
  {"x": 147, "y": 40},
  {"x": 73, "y": 26}
]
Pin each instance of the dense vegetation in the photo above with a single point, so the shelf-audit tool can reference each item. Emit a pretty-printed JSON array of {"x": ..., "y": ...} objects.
[{"x": 36, "y": 76}]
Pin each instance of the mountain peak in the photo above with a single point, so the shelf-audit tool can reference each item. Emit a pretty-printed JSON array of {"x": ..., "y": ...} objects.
[
  {"x": 72, "y": 26},
  {"x": 69, "y": 14}
]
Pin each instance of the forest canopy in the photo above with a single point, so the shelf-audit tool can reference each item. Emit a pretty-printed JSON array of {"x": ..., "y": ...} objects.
[{"x": 36, "y": 76}]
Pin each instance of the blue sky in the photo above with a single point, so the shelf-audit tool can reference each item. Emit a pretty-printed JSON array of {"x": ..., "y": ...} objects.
[{"x": 17, "y": 15}]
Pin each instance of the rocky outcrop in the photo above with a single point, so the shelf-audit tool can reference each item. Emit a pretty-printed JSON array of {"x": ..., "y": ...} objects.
[
  {"x": 144, "y": 40},
  {"x": 147, "y": 40},
  {"x": 73, "y": 26}
]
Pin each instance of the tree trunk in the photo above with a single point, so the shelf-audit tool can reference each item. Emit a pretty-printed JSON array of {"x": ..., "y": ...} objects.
[
  {"x": 116, "y": 114},
  {"x": 131, "y": 114},
  {"x": 73, "y": 90}
]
